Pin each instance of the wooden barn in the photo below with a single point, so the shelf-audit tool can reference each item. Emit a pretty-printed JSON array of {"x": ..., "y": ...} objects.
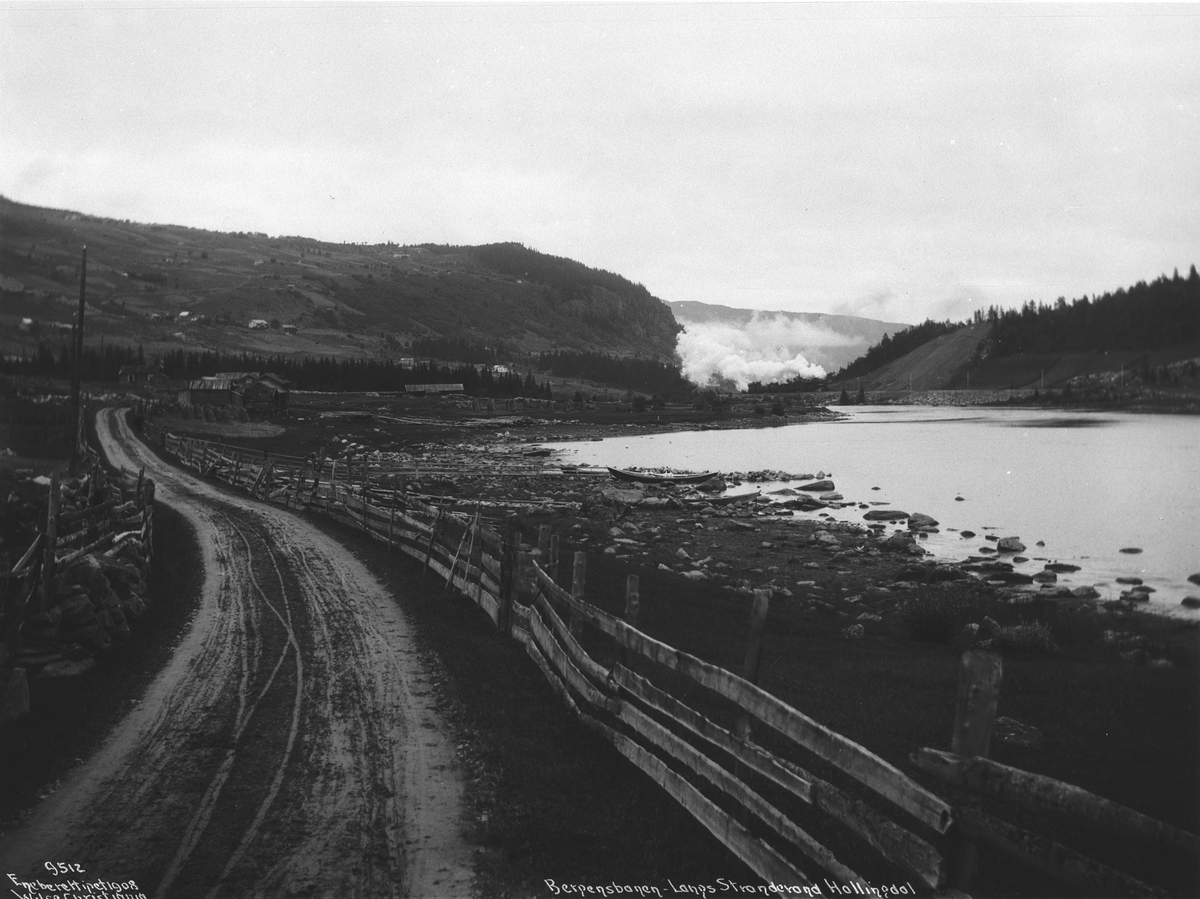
[
  {"x": 215, "y": 391},
  {"x": 260, "y": 391}
]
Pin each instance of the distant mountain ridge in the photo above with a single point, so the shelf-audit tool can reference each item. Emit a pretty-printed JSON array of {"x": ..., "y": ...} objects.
[
  {"x": 831, "y": 341},
  {"x": 346, "y": 300}
]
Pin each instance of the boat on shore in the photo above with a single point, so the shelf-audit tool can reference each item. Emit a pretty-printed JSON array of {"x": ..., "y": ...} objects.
[{"x": 646, "y": 477}]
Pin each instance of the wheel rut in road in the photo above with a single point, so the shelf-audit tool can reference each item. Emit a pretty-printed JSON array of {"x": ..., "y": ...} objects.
[{"x": 290, "y": 747}]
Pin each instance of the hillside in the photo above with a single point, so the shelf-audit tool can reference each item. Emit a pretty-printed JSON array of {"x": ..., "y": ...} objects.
[
  {"x": 344, "y": 299},
  {"x": 941, "y": 363},
  {"x": 830, "y": 341}
]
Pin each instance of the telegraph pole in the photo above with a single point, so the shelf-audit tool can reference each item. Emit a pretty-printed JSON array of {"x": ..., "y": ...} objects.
[{"x": 75, "y": 368}]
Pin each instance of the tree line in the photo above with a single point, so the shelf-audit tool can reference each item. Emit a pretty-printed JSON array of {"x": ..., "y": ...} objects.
[
  {"x": 1163, "y": 313},
  {"x": 635, "y": 373},
  {"x": 303, "y": 373}
]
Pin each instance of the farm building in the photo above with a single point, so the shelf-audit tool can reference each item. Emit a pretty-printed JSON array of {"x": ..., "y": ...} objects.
[
  {"x": 262, "y": 391},
  {"x": 211, "y": 392},
  {"x": 266, "y": 392},
  {"x": 257, "y": 324},
  {"x": 289, "y": 329},
  {"x": 140, "y": 374}
]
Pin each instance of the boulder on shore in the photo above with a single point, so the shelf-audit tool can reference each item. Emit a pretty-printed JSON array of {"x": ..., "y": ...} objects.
[{"x": 1010, "y": 545}]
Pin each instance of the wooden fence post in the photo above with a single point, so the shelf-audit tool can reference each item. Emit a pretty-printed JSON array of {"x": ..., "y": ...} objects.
[
  {"x": 508, "y": 575},
  {"x": 552, "y": 560},
  {"x": 432, "y": 536},
  {"x": 974, "y": 713},
  {"x": 578, "y": 577},
  {"x": 366, "y": 484},
  {"x": 392, "y": 518},
  {"x": 633, "y": 610},
  {"x": 51, "y": 538},
  {"x": 317, "y": 467},
  {"x": 543, "y": 544},
  {"x": 758, "y": 618}
]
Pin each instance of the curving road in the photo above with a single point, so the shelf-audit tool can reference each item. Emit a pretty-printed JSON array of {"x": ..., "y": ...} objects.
[{"x": 290, "y": 748}]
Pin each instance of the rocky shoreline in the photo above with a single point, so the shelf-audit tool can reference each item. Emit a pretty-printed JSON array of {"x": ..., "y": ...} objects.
[
  {"x": 869, "y": 572},
  {"x": 873, "y": 576}
]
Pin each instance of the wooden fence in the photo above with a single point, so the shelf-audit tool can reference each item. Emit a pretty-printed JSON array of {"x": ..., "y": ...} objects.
[
  {"x": 103, "y": 517},
  {"x": 742, "y": 761}
]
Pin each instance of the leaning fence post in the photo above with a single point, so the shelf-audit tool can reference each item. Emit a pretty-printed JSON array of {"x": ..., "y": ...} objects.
[
  {"x": 543, "y": 545},
  {"x": 974, "y": 713},
  {"x": 51, "y": 538},
  {"x": 578, "y": 577}
]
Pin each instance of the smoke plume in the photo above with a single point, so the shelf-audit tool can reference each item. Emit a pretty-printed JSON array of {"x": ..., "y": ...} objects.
[{"x": 767, "y": 348}]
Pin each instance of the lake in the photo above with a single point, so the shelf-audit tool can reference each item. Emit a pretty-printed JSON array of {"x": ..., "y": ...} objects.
[{"x": 1087, "y": 484}]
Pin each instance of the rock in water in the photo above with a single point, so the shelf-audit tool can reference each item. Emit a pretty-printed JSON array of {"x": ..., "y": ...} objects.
[
  {"x": 919, "y": 521},
  {"x": 1061, "y": 567},
  {"x": 1010, "y": 545},
  {"x": 823, "y": 486},
  {"x": 1131, "y": 550},
  {"x": 885, "y": 515}
]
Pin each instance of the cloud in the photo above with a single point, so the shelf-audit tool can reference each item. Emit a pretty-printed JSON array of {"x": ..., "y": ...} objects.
[{"x": 767, "y": 348}]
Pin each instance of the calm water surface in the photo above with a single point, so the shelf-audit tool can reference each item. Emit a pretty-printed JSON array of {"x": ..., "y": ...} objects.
[{"x": 1087, "y": 484}]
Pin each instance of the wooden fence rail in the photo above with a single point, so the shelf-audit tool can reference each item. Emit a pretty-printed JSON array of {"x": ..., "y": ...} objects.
[{"x": 745, "y": 794}]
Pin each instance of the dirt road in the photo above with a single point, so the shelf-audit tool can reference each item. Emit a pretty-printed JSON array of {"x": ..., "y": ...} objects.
[{"x": 290, "y": 748}]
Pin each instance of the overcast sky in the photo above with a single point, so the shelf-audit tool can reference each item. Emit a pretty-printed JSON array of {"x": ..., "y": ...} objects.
[{"x": 895, "y": 161}]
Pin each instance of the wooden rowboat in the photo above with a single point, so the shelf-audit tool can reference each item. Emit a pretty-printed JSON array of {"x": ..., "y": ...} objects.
[{"x": 643, "y": 477}]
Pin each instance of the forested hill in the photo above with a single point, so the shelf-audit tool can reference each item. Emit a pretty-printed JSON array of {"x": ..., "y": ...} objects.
[
  {"x": 1163, "y": 313},
  {"x": 1149, "y": 328},
  {"x": 345, "y": 300}
]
